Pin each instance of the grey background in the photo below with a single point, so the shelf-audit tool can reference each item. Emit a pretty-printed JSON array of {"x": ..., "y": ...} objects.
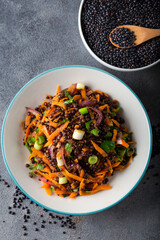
[{"x": 36, "y": 35}]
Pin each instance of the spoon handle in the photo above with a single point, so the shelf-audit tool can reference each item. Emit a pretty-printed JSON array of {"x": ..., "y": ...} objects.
[{"x": 152, "y": 33}]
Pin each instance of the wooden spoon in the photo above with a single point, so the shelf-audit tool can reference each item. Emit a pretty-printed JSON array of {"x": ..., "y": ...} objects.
[{"x": 142, "y": 34}]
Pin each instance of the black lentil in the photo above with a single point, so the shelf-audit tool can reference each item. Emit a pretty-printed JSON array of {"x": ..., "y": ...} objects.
[
  {"x": 123, "y": 37},
  {"x": 100, "y": 17}
]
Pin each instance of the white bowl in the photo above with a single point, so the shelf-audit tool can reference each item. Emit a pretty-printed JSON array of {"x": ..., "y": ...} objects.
[
  {"x": 15, "y": 153},
  {"x": 96, "y": 57}
]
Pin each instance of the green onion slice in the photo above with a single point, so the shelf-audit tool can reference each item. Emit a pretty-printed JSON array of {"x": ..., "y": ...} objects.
[
  {"x": 83, "y": 110},
  {"x": 41, "y": 139},
  {"x": 38, "y": 146},
  {"x": 92, "y": 159}
]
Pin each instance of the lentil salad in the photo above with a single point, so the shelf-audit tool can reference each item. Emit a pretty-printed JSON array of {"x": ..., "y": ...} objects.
[{"x": 77, "y": 140}]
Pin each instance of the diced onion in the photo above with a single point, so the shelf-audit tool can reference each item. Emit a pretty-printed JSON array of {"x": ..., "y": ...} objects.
[
  {"x": 78, "y": 134},
  {"x": 80, "y": 86},
  {"x": 59, "y": 162},
  {"x": 63, "y": 180},
  {"x": 119, "y": 141}
]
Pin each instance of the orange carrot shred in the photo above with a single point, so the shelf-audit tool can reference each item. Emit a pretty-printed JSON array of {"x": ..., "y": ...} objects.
[
  {"x": 57, "y": 131},
  {"x": 73, "y": 195},
  {"x": 76, "y": 97},
  {"x": 114, "y": 135},
  {"x": 83, "y": 93},
  {"x": 116, "y": 123},
  {"x": 100, "y": 150},
  {"x": 28, "y": 120},
  {"x": 124, "y": 144},
  {"x": 60, "y": 104},
  {"x": 58, "y": 89},
  {"x": 48, "y": 191},
  {"x": 98, "y": 97},
  {"x": 105, "y": 106}
]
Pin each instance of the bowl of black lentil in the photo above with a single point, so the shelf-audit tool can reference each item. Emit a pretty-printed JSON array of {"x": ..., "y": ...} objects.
[
  {"x": 96, "y": 20},
  {"x": 81, "y": 153}
]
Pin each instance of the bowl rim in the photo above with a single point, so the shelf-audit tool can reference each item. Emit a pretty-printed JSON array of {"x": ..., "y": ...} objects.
[
  {"x": 96, "y": 57},
  {"x": 3, "y": 127}
]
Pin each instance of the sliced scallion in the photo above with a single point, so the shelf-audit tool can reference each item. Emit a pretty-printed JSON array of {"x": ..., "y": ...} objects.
[
  {"x": 95, "y": 131},
  {"x": 41, "y": 139},
  {"x": 38, "y": 146},
  {"x": 83, "y": 110},
  {"x": 92, "y": 159}
]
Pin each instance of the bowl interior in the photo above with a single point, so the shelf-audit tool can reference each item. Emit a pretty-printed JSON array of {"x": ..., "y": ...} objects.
[{"x": 16, "y": 155}]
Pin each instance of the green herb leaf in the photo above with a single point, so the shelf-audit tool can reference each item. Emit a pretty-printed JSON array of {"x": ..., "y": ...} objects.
[
  {"x": 68, "y": 147},
  {"x": 95, "y": 132},
  {"x": 31, "y": 140},
  {"x": 88, "y": 124},
  {"x": 63, "y": 121},
  {"x": 29, "y": 148},
  {"x": 109, "y": 134},
  {"x": 75, "y": 190},
  {"x": 39, "y": 166},
  {"x": 117, "y": 109},
  {"x": 41, "y": 139},
  {"x": 37, "y": 130},
  {"x": 32, "y": 173},
  {"x": 67, "y": 94},
  {"x": 108, "y": 145},
  {"x": 113, "y": 114},
  {"x": 44, "y": 112},
  {"x": 122, "y": 152},
  {"x": 69, "y": 101},
  {"x": 52, "y": 188}
]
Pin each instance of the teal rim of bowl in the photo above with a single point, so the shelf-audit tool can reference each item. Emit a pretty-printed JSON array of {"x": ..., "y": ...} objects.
[{"x": 2, "y": 135}]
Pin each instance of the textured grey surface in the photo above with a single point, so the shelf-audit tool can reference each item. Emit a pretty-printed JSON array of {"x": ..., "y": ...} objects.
[{"x": 36, "y": 35}]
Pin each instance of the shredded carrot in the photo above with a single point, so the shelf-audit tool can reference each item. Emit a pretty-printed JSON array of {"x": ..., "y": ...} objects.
[
  {"x": 125, "y": 144},
  {"x": 116, "y": 164},
  {"x": 114, "y": 135},
  {"x": 94, "y": 185},
  {"x": 76, "y": 97},
  {"x": 73, "y": 176},
  {"x": 73, "y": 195},
  {"x": 28, "y": 120},
  {"x": 60, "y": 104},
  {"x": 45, "y": 185},
  {"x": 57, "y": 131},
  {"x": 48, "y": 191},
  {"x": 58, "y": 88},
  {"x": 84, "y": 149},
  {"x": 76, "y": 126},
  {"x": 81, "y": 186},
  {"x": 125, "y": 130},
  {"x": 82, "y": 173},
  {"x": 109, "y": 121},
  {"x": 71, "y": 88},
  {"x": 116, "y": 123},
  {"x": 83, "y": 93},
  {"x": 27, "y": 131},
  {"x": 44, "y": 130},
  {"x": 98, "y": 97},
  {"x": 100, "y": 150},
  {"x": 101, "y": 108}
]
